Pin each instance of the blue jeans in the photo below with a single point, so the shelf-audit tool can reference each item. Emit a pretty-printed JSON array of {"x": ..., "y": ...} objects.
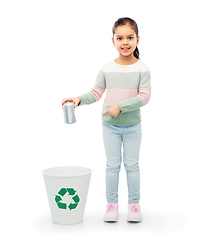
[{"x": 130, "y": 137}]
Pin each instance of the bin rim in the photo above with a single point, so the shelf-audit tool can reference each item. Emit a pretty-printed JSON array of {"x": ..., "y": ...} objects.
[{"x": 45, "y": 173}]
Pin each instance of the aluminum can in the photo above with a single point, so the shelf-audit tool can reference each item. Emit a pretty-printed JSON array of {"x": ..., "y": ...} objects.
[{"x": 68, "y": 111}]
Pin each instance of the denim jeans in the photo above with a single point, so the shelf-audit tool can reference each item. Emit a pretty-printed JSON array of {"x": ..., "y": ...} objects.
[{"x": 114, "y": 138}]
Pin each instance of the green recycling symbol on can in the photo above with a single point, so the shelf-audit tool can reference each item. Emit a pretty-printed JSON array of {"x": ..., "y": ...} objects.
[{"x": 69, "y": 191}]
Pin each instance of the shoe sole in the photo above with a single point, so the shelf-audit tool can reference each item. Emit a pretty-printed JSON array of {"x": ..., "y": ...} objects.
[
  {"x": 110, "y": 220},
  {"x": 133, "y": 220}
]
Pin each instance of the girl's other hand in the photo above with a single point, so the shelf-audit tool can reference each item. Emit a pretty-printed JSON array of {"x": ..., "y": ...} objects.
[
  {"x": 113, "y": 111},
  {"x": 76, "y": 101}
]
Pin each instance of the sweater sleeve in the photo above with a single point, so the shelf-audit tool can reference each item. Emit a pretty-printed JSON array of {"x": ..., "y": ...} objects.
[
  {"x": 143, "y": 96},
  {"x": 96, "y": 92}
]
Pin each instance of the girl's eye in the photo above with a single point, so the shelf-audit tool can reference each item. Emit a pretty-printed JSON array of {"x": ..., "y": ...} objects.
[
  {"x": 130, "y": 38},
  {"x": 119, "y": 39}
]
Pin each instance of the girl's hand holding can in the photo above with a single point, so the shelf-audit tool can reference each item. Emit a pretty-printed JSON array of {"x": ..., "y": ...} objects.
[{"x": 76, "y": 101}]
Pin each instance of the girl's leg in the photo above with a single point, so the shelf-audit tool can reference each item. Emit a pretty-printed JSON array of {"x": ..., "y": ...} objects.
[
  {"x": 131, "y": 145},
  {"x": 112, "y": 142}
]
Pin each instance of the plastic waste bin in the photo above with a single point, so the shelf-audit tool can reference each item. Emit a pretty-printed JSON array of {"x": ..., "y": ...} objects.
[{"x": 67, "y": 189}]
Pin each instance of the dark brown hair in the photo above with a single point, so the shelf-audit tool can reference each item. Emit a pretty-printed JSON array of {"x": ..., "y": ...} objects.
[{"x": 124, "y": 21}]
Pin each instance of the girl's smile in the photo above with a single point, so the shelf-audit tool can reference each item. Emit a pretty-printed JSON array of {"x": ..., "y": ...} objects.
[{"x": 125, "y": 49}]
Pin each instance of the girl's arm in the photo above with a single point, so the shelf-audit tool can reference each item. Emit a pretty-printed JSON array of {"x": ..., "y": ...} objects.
[
  {"x": 97, "y": 91},
  {"x": 143, "y": 96},
  {"x": 94, "y": 95}
]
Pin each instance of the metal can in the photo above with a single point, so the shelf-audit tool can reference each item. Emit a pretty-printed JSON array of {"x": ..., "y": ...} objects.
[{"x": 68, "y": 111}]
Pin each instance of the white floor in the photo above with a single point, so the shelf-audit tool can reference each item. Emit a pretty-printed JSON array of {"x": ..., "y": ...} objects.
[
  {"x": 158, "y": 225},
  {"x": 25, "y": 212},
  {"x": 163, "y": 218}
]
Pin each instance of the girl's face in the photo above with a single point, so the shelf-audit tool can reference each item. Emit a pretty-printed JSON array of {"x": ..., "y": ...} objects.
[{"x": 125, "y": 40}]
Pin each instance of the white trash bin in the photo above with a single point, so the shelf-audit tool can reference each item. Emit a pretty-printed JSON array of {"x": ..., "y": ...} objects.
[{"x": 67, "y": 189}]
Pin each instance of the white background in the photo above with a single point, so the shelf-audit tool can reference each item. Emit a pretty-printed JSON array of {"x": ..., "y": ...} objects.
[{"x": 54, "y": 49}]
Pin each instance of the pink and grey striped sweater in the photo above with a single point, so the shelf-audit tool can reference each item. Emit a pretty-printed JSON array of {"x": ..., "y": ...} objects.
[{"x": 126, "y": 85}]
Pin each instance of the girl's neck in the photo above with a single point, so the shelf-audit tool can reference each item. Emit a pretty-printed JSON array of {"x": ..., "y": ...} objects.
[{"x": 129, "y": 60}]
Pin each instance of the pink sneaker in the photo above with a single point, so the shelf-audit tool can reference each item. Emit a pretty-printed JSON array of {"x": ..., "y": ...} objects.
[
  {"x": 111, "y": 214},
  {"x": 134, "y": 214}
]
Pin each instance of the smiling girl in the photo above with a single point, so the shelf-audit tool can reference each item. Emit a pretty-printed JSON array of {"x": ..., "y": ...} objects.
[{"x": 127, "y": 83}]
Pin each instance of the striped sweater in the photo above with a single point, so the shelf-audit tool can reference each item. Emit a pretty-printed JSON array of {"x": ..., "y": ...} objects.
[{"x": 125, "y": 85}]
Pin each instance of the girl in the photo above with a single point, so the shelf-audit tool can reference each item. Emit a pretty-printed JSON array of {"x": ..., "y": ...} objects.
[{"x": 127, "y": 84}]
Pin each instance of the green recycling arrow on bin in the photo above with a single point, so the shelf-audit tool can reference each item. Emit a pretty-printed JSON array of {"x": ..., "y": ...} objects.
[{"x": 62, "y": 193}]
